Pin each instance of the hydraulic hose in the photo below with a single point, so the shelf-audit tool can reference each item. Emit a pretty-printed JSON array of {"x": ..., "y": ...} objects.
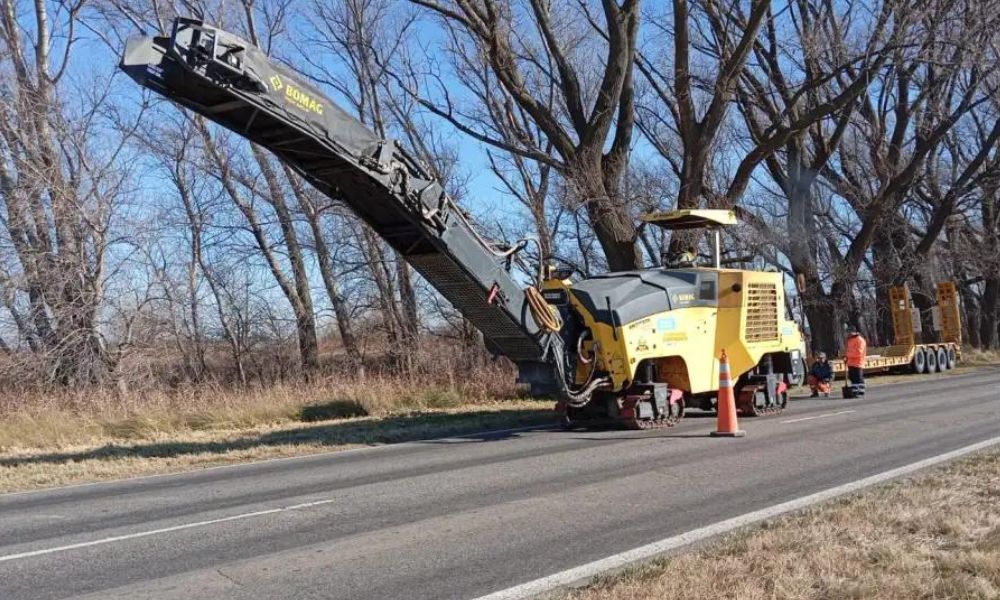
[
  {"x": 545, "y": 317},
  {"x": 580, "y": 397}
]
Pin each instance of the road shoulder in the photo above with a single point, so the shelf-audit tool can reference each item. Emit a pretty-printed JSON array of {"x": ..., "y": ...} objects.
[{"x": 934, "y": 534}]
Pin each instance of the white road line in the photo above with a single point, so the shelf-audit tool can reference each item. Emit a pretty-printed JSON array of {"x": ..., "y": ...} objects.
[
  {"x": 617, "y": 561},
  {"x": 833, "y": 414},
  {"x": 142, "y": 534}
]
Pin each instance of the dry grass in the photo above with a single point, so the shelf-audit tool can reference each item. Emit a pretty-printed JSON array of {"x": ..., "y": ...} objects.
[
  {"x": 73, "y": 436},
  {"x": 935, "y": 535},
  {"x": 54, "y": 420},
  {"x": 138, "y": 447},
  {"x": 972, "y": 356}
]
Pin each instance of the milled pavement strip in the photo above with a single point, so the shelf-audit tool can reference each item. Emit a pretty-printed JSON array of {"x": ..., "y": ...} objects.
[{"x": 615, "y": 562}]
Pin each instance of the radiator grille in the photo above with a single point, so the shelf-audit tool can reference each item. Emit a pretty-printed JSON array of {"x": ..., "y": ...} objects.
[{"x": 762, "y": 313}]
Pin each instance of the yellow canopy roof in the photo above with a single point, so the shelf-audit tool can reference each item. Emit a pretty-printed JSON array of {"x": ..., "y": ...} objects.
[{"x": 691, "y": 219}]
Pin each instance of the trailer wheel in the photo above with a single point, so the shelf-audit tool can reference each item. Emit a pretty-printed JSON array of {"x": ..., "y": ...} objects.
[
  {"x": 942, "y": 359},
  {"x": 919, "y": 362},
  {"x": 952, "y": 357},
  {"x": 931, "y": 361}
]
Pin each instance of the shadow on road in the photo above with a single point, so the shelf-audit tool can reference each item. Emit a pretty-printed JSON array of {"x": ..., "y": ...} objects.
[{"x": 403, "y": 428}]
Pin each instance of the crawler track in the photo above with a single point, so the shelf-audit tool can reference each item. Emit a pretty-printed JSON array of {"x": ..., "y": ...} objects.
[
  {"x": 647, "y": 424},
  {"x": 748, "y": 407}
]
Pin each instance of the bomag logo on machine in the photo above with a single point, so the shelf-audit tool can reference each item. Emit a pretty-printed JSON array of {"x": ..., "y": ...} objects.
[
  {"x": 296, "y": 96},
  {"x": 682, "y": 299}
]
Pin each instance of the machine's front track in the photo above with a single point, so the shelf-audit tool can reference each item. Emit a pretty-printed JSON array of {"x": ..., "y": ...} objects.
[
  {"x": 640, "y": 413},
  {"x": 643, "y": 408},
  {"x": 654, "y": 406},
  {"x": 761, "y": 395}
]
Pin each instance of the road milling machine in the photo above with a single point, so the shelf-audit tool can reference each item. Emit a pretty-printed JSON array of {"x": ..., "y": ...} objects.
[{"x": 633, "y": 347}]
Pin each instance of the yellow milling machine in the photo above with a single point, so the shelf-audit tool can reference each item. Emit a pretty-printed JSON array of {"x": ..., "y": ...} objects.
[
  {"x": 647, "y": 343},
  {"x": 633, "y": 347}
]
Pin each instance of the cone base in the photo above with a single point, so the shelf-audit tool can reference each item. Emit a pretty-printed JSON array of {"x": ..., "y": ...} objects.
[{"x": 739, "y": 433}]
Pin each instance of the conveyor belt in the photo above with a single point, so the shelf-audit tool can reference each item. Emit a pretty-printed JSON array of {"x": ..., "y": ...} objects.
[{"x": 233, "y": 83}]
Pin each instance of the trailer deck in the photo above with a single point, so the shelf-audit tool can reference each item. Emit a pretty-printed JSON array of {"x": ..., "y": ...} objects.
[{"x": 908, "y": 356}]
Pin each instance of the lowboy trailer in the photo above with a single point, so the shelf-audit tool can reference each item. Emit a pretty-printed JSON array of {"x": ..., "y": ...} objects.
[{"x": 906, "y": 355}]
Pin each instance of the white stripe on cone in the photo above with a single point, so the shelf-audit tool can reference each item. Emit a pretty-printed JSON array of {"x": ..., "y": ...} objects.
[{"x": 724, "y": 380}]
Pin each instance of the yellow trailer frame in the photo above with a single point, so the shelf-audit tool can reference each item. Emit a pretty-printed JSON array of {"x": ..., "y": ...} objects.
[{"x": 902, "y": 354}]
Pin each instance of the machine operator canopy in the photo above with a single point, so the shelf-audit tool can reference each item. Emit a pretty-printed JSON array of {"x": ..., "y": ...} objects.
[{"x": 676, "y": 220}]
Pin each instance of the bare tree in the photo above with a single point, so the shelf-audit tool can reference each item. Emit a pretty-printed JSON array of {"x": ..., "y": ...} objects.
[
  {"x": 60, "y": 183},
  {"x": 361, "y": 35},
  {"x": 932, "y": 84},
  {"x": 588, "y": 139},
  {"x": 676, "y": 86},
  {"x": 797, "y": 98}
]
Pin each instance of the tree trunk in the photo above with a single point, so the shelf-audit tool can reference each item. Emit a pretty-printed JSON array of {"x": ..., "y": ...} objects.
[
  {"x": 989, "y": 313},
  {"x": 884, "y": 256},
  {"x": 598, "y": 180},
  {"x": 821, "y": 310},
  {"x": 924, "y": 304},
  {"x": 970, "y": 308},
  {"x": 302, "y": 304},
  {"x": 376, "y": 261},
  {"x": 341, "y": 311},
  {"x": 885, "y": 333},
  {"x": 821, "y": 327},
  {"x": 407, "y": 300}
]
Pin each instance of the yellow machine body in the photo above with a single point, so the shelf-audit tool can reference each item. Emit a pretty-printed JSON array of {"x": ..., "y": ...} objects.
[
  {"x": 643, "y": 345},
  {"x": 745, "y": 318}
]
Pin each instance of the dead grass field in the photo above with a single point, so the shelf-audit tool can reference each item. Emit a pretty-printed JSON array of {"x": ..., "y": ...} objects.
[
  {"x": 149, "y": 451},
  {"x": 57, "y": 439},
  {"x": 53, "y": 420},
  {"x": 935, "y": 535},
  {"x": 980, "y": 357}
]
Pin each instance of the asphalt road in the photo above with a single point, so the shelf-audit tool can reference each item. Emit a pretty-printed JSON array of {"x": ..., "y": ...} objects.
[{"x": 459, "y": 518}]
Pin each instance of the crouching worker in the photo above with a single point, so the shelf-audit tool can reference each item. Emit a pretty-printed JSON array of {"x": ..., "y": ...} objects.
[{"x": 820, "y": 376}]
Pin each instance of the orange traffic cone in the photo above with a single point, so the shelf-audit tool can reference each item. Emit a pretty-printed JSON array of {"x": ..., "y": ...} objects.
[{"x": 726, "y": 404}]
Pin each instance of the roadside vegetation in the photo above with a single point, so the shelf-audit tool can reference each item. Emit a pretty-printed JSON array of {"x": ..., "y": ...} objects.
[
  {"x": 980, "y": 358},
  {"x": 39, "y": 416},
  {"x": 54, "y": 437},
  {"x": 144, "y": 445},
  {"x": 933, "y": 535}
]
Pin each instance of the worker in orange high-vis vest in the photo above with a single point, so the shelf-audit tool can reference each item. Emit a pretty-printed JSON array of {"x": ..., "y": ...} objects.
[{"x": 856, "y": 354}]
